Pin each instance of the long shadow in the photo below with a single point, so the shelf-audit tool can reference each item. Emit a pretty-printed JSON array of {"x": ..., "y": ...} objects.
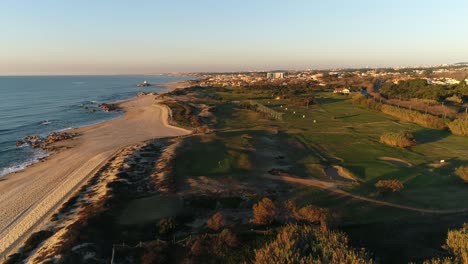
[
  {"x": 346, "y": 116},
  {"x": 406, "y": 240},
  {"x": 223, "y": 113},
  {"x": 329, "y": 100},
  {"x": 430, "y": 135}
]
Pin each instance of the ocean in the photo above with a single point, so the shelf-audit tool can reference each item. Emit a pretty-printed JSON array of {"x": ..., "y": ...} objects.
[{"x": 39, "y": 105}]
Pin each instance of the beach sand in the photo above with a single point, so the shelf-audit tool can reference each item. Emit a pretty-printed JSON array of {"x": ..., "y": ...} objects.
[
  {"x": 176, "y": 85},
  {"x": 28, "y": 198}
]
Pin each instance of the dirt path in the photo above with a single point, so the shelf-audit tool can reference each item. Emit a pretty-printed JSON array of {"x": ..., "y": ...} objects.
[
  {"x": 333, "y": 188},
  {"x": 29, "y": 197}
]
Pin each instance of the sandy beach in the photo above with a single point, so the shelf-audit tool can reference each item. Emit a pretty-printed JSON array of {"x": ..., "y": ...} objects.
[
  {"x": 29, "y": 197},
  {"x": 176, "y": 85}
]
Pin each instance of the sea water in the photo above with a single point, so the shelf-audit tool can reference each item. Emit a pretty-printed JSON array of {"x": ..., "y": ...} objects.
[{"x": 42, "y": 104}]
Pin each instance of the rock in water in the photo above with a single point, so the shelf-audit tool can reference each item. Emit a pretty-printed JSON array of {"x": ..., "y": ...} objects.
[{"x": 109, "y": 107}]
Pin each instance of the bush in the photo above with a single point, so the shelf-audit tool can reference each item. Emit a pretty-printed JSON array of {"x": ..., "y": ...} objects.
[
  {"x": 216, "y": 221},
  {"x": 421, "y": 119},
  {"x": 166, "y": 226},
  {"x": 459, "y": 127},
  {"x": 309, "y": 214},
  {"x": 457, "y": 243},
  {"x": 265, "y": 212},
  {"x": 462, "y": 172},
  {"x": 155, "y": 252},
  {"x": 362, "y": 100},
  {"x": 400, "y": 139},
  {"x": 389, "y": 186},
  {"x": 218, "y": 245},
  {"x": 307, "y": 244}
]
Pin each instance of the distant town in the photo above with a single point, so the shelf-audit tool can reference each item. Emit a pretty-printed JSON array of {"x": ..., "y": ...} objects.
[{"x": 447, "y": 74}]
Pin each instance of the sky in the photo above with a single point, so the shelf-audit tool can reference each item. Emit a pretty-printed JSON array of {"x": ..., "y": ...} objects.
[{"x": 62, "y": 37}]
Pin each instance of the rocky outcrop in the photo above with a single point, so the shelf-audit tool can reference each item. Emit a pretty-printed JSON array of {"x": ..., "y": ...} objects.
[
  {"x": 109, "y": 107},
  {"x": 35, "y": 141}
]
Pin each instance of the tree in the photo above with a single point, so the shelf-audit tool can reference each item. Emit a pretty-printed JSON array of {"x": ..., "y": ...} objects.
[
  {"x": 216, "y": 221},
  {"x": 265, "y": 212},
  {"x": 389, "y": 186}
]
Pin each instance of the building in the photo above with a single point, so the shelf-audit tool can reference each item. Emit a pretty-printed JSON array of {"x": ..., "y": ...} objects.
[{"x": 275, "y": 75}]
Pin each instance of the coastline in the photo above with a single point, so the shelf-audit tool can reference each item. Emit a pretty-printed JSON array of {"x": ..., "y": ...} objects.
[
  {"x": 170, "y": 86},
  {"x": 28, "y": 197}
]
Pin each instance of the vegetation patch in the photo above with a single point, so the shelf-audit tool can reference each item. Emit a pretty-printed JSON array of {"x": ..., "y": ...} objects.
[
  {"x": 400, "y": 139},
  {"x": 462, "y": 172},
  {"x": 31, "y": 244},
  {"x": 416, "y": 117},
  {"x": 389, "y": 186},
  {"x": 459, "y": 127},
  {"x": 150, "y": 209},
  {"x": 309, "y": 244}
]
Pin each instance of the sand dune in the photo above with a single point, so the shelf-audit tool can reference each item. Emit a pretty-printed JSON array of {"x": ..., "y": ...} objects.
[{"x": 28, "y": 198}]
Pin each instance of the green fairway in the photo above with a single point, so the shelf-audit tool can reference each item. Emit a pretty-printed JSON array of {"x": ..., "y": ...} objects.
[
  {"x": 150, "y": 209},
  {"x": 334, "y": 132}
]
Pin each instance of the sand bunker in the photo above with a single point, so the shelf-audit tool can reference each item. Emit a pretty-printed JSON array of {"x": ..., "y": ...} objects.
[
  {"x": 395, "y": 161},
  {"x": 339, "y": 173}
]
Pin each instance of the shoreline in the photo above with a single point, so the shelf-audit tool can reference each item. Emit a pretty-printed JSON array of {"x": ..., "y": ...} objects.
[
  {"x": 29, "y": 196},
  {"x": 171, "y": 86}
]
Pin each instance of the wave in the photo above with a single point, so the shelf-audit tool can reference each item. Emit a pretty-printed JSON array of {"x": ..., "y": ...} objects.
[
  {"x": 38, "y": 155},
  {"x": 46, "y": 122}
]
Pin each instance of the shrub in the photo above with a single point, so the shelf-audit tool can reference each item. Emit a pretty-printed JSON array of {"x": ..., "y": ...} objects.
[
  {"x": 216, "y": 221},
  {"x": 457, "y": 243},
  {"x": 362, "y": 100},
  {"x": 400, "y": 139},
  {"x": 421, "y": 119},
  {"x": 307, "y": 244},
  {"x": 440, "y": 261},
  {"x": 155, "y": 252},
  {"x": 166, "y": 226},
  {"x": 264, "y": 212},
  {"x": 219, "y": 244},
  {"x": 309, "y": 214},
  {"x": 389, "y": 186},
  {"x": 459, "y": 127},
  {"x": 462, "y": 172}
]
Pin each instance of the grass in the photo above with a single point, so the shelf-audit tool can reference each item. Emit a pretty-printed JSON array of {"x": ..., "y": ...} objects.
[
  {"x": 149, "y": 209},
  {"x": 335, "y": 132}
]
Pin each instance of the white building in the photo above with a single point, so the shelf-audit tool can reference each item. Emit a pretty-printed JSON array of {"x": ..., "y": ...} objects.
[{"x": 275, "y": 75}]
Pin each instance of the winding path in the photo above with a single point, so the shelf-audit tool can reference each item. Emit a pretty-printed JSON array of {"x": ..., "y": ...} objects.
[{"x": 329, "y": 186}]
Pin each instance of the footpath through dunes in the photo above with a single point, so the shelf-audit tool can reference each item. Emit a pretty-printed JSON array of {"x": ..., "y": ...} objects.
[{"x": 28, "y": 198}]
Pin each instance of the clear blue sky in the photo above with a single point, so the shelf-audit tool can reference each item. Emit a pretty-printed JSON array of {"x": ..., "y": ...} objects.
[{"x": 112, "y": 37}]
